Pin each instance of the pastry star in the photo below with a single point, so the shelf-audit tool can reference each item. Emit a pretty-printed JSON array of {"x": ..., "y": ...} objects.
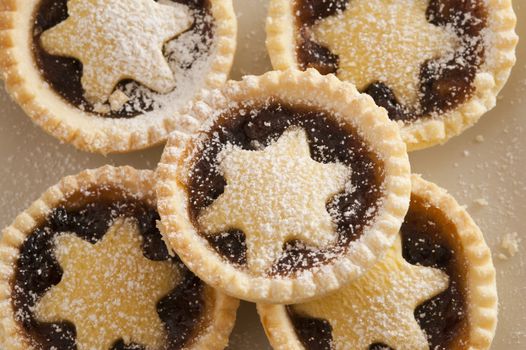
[
  {"x": 275, "y": 195},
  {"x": 109, "y": 290},
  {"x": 379, "y": 307},
  {"x": 118, "y": 40},
  {"x": 386, "y": 41}
]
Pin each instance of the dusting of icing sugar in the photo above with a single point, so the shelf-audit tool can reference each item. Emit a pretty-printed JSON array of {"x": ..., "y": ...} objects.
[
  {"x": 483, "y": 202},
  {"x": 188, "y": 58},
  {"x": 118, "y": 40},
  {"x": 385, "y": 41},
  {"x": 508, "y": 246},
  {"x": 352, "y": 210},
  {"x": 479, "y": 138},
  {"x": 109, "y": 290},
  {"x": 379, "y": 307},
  {"x": 274, "y": 195}
]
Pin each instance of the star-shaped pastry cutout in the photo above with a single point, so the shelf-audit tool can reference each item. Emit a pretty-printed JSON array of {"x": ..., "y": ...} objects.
[
  {"x": 275, "y": 195},
  {"x": 385, "y": 41},
  {"x": 117, "y": 40},
  {"x": 379, "y": 307},
  {"x": 109, "y": 290}
]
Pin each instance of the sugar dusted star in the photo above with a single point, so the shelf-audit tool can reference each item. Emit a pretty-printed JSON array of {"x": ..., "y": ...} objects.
[
  {"x": 385, "y": 41},
  {"x": 379, "y": 307},
  {"x": 275, "y": 195},
  {"x": 109, "y": 290},
  {"x": 118, "y": 40}
]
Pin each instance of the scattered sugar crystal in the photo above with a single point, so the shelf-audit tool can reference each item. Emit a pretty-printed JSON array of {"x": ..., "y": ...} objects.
[
  {"x": 481, "y": 202},
  {"x": 509, "y": 246}
]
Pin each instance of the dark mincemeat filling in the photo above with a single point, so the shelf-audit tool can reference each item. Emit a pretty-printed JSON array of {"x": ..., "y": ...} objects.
[
  {"x": 37, "y": 270},
  {"x": 64, "y": 73},
  {"x": 428, "y": 239},
  {"x": 444, "y": 85},
  {"x": 329, "y": 142}
]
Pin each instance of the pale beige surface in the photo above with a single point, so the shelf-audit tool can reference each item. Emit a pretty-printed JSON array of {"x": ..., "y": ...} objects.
[{"x": 475, "y": 172}]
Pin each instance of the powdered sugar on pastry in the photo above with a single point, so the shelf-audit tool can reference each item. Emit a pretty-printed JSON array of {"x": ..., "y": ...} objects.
[
  {"x": 386, "y": 41},
  {"x": 112, "y": 47},
  {"x": 275, "y": 195},
  {"x": 109, "y": 290},
  {"x": 379, "y": 307}
]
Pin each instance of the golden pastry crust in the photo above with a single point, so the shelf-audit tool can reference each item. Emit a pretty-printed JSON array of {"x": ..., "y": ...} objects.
[
  {"x": 88, "y": 131},
  {"x": 429, "y": 130},
  {"x": 482, "y": 300},
  {"x": 307, "y": 89},
  {"x": 221, "y": 310}
]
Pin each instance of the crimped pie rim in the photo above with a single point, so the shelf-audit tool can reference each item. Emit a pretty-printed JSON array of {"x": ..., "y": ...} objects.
[
  {"x": 481, "y": 278},
  {"x": 281, "y": 34},
  {"x": 137, "y": 182},
  {"x": 332, "y": 94},
  {"x": 86, "y": 131}
]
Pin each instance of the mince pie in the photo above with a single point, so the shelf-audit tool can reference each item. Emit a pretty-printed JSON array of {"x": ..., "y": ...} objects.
[
  {"x": 435, "y": 65},
  {"x": 435, "y": 289},
  {"x": 85, "y": 267},
  {"x": 111, "y": 76},
  {"x": 296, "y": 184}
]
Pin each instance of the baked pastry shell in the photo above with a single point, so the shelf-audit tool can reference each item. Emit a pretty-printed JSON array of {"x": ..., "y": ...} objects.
[
  {"x": 87, "y": 131},
  {"x": 482, "y": 300},
  {"x": 140, "y": 183},
  {"x": 429, "y": 130},
  {"x": 291, "y": 87}
]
